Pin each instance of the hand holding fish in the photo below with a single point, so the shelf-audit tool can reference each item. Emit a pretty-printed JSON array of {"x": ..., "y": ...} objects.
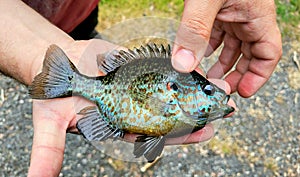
[
  {"x": 154, "y": 104},
  {"x": 251, "y": 39},
  {"x": 246, "y": 27}
]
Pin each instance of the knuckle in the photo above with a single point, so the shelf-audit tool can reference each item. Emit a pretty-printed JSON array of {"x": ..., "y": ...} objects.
[
  {"x": 279, "y": 52},
  {"x": 276, "y": 45},
  {"x": 198, "y": 27}
]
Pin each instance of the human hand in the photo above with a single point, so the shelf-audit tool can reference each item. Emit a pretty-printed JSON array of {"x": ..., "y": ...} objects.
[
  {"x": 52, "y": 119},
  {"x": 249, "y": 32}
]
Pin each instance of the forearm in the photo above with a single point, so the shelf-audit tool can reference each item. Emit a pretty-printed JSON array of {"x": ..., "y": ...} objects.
[{"x": 24, "y": 39}]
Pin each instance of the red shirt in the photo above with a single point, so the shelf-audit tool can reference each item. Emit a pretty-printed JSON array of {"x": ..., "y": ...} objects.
[{"x": 65, "y": 14}]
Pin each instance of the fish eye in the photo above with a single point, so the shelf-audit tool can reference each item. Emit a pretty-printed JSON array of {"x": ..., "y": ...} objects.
[
  {"x": 209, "y": 89},
  {"x": 172, "y": 86}
]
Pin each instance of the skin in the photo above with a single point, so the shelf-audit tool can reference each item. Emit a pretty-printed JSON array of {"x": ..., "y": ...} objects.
[
  {"x": 248, "y": 29},
  {"x": 25, "y": 37}
]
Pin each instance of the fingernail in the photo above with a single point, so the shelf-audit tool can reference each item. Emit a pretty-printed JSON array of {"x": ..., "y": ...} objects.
[{"x": 183, "y": 60}]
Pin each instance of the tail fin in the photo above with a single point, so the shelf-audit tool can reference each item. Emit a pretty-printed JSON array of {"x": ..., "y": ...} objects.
[{"x": 55, "y": 80}]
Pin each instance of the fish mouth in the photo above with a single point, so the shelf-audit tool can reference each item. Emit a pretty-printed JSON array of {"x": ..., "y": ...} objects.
[
  {"x": 227, "y": 109},
  {"x": 226, "y": 99}
]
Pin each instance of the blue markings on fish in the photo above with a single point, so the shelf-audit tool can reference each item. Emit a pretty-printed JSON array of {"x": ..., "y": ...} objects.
[{"x": 141, "y": 93}]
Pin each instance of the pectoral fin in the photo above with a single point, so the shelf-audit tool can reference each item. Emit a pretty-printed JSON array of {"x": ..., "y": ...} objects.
[
  {"x": 149, "y": 146},
  {"x": 94, "y": 128}
]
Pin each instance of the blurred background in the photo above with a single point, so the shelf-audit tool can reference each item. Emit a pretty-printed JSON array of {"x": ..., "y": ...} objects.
[{"x": 261, "y": 139}]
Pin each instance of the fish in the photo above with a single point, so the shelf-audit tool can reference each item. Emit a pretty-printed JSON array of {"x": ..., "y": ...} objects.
[{"x": 141, "y": 93}]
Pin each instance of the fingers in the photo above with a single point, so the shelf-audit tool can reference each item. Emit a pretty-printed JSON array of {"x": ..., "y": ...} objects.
[
  {"x": 221, "y": 84},
  {"x": 216, "y": 38},
  {"x": 257, "y": 64},
  {"x": 199, "y": 136},
  {"x": 229, "y": 55},
  {"x": 204, "y": 134},
  {"x": 194, "y": 33},
  {"x": 48, "y": 144}
]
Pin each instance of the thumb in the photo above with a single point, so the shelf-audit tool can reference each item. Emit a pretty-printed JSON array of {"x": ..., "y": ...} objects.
[{"x": 193, "y": 33}]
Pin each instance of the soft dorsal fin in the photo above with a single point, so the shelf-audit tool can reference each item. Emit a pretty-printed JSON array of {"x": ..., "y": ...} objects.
[{"x": 110, "y": 61}]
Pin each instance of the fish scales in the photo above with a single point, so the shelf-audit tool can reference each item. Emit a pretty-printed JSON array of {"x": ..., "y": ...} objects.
[
  {"x": 133, "y": 90},
  {"x": 141, "y": 93}
]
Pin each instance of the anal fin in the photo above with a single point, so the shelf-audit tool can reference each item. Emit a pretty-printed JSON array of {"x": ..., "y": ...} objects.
[
  {"x": 94, "y": 128},
  {"x": 149, "y": 146}
]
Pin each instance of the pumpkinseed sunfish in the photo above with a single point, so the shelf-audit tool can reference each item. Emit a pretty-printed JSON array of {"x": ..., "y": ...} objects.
[{"x": 141, "y": 93}]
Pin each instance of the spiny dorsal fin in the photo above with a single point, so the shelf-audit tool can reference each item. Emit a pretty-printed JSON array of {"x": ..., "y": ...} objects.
[{"x": 112, "y": 60}]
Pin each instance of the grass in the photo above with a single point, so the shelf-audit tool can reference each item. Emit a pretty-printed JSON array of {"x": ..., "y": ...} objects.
[
  {"x": 288, "y": 11},
  {"x": 113, "y": 11},
  {"x": 288, "y": 17}
]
